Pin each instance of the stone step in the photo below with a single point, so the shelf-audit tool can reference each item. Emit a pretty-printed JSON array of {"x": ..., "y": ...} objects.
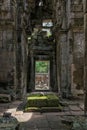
[{"x": 6, "y": 96}]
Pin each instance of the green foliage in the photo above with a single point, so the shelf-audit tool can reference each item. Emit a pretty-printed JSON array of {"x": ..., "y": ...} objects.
[{"x": 42, "y": 66}]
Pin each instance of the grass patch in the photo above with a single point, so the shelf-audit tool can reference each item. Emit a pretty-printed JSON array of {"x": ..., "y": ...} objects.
[{"x": 42, "y": 102}]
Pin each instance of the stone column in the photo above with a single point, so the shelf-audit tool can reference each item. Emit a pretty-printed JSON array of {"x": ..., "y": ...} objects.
[
  {"x": 24, "y": 65},
  {"x": 54, "y": 80},
  {"x": 63, "y": 62},
  {"x": 55, "y": 72},
  {"x": 58, "y": 66},
  {"x": 18, "y": 49},
  {"x": 69, "y": 62},
  {"x": 85, "y": 57},
  {"x": 32, "y": 77}
]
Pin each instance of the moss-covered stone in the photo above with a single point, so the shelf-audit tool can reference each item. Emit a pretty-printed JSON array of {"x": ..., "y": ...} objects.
[{"x": 42, "y": 102}]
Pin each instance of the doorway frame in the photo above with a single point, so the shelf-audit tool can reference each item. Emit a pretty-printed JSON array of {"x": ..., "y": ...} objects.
[
  {"x": 46, "y": 56},
  {"x": 48, "y": 75}
]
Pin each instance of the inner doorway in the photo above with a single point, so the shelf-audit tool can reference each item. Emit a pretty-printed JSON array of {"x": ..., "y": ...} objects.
[{"x": 42, "y": 75}]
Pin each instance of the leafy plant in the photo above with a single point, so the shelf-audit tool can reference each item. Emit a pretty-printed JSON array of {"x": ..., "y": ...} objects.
[{"x": 42, "y": 66}]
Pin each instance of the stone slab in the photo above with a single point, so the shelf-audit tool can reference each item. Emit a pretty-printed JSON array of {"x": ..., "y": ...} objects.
[{"x": 74, "y": 108}]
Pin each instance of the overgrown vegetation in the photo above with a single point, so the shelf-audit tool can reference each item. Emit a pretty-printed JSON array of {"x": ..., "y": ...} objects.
[
  {"x": 42, "y": 66},
  {"x": 40, "y": 102}
]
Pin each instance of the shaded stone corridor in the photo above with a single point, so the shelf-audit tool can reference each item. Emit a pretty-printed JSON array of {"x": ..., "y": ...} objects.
[
  {"x": 43, "y": 30},
  {"x": 37, "y": 30}
]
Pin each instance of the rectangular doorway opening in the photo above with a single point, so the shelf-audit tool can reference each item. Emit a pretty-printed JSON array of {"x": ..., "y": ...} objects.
[{"x": 42, "y": 75}]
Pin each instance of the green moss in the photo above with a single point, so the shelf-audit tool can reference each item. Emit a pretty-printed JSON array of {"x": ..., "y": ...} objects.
[
  {"x": 39, "y": 101},
  {"x": 27, "y": 109}
]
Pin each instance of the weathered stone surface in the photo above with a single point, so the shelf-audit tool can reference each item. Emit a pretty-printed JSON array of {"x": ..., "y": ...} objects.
[
  {"x": 85, "y": 56},
  {"x": 18, "y": 20},
  {"x": 70, "y": 52},
  {"x": 80, "y": 124},
  {"x": 7, "y": 122}
]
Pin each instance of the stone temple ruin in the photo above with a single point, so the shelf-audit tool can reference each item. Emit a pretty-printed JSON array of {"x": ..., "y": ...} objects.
[
  {"x": 53, "y": 31},
  {"x": 42, "y": 30}
]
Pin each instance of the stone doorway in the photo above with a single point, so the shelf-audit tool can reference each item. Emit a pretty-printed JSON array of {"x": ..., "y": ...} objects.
[
  {"x": 42, "y": 75},
  {"x": 41, "y": 50}
]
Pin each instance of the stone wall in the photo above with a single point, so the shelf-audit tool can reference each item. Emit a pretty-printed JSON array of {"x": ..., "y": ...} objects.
[
  {"x": 78, "y": 61},
  {"x": 70, "y": 50},
  {"x": 21, "y": 48},
  {"x": 77, "y": 23},
  {"x": 16, "y": 27},
  {"x": 7, "y": 43},
  {"x": 13, "y": 46},
  {"x": 85, "y": 56}
]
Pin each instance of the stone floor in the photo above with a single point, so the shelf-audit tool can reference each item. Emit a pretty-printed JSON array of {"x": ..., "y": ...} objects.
[{"x": 44, "y": 121}]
